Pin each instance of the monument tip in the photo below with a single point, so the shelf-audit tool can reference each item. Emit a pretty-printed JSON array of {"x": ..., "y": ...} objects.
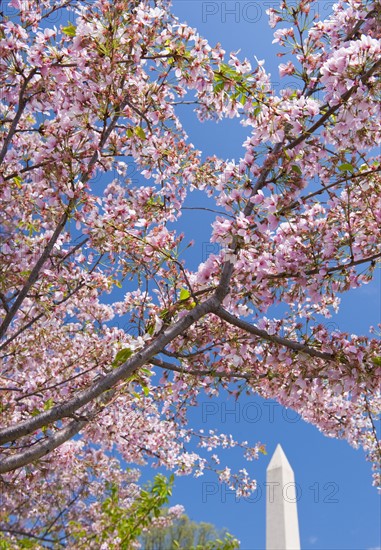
[{"x": 279, "y": 459}]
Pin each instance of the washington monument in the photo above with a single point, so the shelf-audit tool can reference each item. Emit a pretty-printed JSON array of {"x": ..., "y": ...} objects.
[{"x": 282, "y": 528}]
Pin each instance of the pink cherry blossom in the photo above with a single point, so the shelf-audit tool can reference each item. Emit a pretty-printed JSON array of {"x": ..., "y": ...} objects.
[{"x": 109, "y": 330}]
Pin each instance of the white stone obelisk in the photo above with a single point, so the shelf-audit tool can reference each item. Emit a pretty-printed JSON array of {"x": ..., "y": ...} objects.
[{"x": 282, "y": 528}]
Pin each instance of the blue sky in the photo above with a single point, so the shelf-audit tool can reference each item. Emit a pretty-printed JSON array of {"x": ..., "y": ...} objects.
[{"x": 338, "y": 507}]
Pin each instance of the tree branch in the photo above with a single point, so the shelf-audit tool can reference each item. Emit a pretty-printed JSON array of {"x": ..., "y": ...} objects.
[
  {"x": 227, "y": 270},
  {"x": 43, "y": 314},
  {"x": 329, "y": 269},
  {"x": 252, "y": 329},
  {"x": 40, "y": 449},
  {"x": 20, "y": 110},
  {"x": 108, "y": 381},
  {"x": 30, "y": 535},
  {"x": 228, "y": 267},
  {"x": 301, "y": 200},
  {"x": 170, "y": 366},
  {"x": 334, "y": 108},
  {"x": 35, "y": 271}
]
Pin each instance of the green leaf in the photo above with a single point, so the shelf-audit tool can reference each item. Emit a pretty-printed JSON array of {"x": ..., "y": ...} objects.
[
  {"x": 17, "y": 180},
  {"x": 102, "y": 49},
  {"x": 150, "y": 329},
  {"x": 147, "y": 372},
  {"x": 121, "y": 357},
  {"x": 48, "y": 404},
  {"x": 140, "y": 132},
  {"x": 297, "y": 169},
  {"x": 27, "y": 543},
  {"x": 184, "y": 294},
  {"x": 218, "y": 87},
  {"x": 163, "y": 314},
  {"x": 346, "y": 167},
  {"x": 257, "y": 111},
  {"x": 376, "y": 361},
  {"x": 70, "y": 30},
  {"x": 155, "y": 201},
  {"x": 145, "y": 390},
  {"x": 228, "y": 70}
]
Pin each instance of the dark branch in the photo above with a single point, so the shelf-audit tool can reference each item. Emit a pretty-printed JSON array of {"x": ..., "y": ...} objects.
[
  {"x": 108, "y": 381},
  {"x": 252, "y": 329}
]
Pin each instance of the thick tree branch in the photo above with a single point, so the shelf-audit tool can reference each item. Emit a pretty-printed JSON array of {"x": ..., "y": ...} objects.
[
  {"x": 40, "y": 449},
  {"x": 108, "y": 381}
]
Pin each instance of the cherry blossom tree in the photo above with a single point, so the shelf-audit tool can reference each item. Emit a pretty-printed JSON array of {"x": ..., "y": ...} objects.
[{"x": 107, "y": 334}]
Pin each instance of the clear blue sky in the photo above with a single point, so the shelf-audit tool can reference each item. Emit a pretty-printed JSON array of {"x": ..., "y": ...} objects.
[{"x": 338, "y": 507}]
